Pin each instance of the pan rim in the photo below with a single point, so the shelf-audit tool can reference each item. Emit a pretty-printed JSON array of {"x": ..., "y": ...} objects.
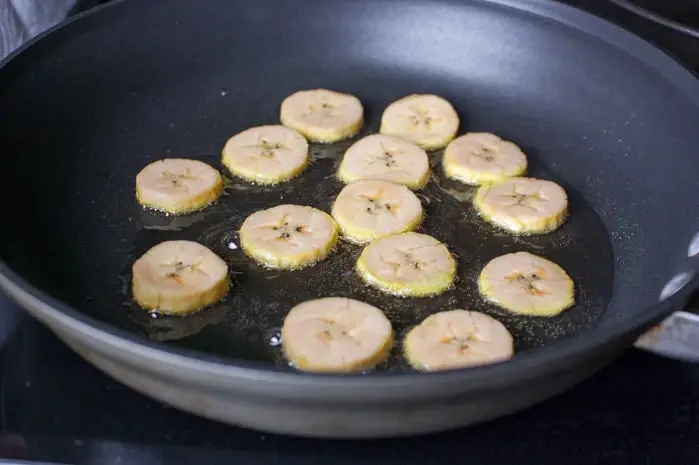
[
  {"x": 528, "y": 365},
  {"x": 657, "y": 18}
]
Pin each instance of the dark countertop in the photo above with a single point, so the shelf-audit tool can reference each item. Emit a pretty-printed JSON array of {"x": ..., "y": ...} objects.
[{"x": 643, "y": 409}]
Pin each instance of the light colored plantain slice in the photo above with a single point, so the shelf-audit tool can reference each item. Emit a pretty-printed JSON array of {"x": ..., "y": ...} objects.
[
  {"x": 457, "y": 339},
  {"x": 384, "y": 157},
  {"x": 424, "y": 119},
  {"x": 179, "y": 277},
  {"x": 407, "y": 265},
  {"x": 288, "y": 236},
  {"x": 480, "y": 158},
  {"x": 336, "y": 334},
  {"x": 178, "y": 185},
  {"x": 369, "y": 209},
  {"x": 523, "y": 205},
  {"x": 323, "y": 115},
  {"x": 527, "y": 284},
  {"x": 266, "y": 154}
]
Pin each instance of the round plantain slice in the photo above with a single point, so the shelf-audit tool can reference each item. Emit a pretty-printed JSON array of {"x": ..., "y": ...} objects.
[
  {"x": 457, "y": 339},
  {"x": 481, "y": 158},
  {"x": 386, "y": 158},
  {"x": 370, "y": 209},
  {"x": 523, "y": 205},
  {"x": 323, "y": 115},
  {"x": 288, "y": 236},
  {"x": 426, "y": 120},
  {"x": 336, "y": 334},
  {"x": 407, "y": 265},
  {"x": 266, "y": 154},
  {"x": 178, "y": 185},
  {"x": 178, "y": 278},
  {"x": 527, "y": 284}
]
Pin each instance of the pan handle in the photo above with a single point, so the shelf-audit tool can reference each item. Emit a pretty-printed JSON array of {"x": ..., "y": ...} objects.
[{"x": 676, "y": 337}]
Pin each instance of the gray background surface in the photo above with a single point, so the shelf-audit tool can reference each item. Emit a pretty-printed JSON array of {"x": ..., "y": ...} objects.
[{"x": 20, "y": 20}]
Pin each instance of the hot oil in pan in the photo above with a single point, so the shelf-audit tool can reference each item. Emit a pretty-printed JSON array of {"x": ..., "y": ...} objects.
[{"x": 246, "y": 323}]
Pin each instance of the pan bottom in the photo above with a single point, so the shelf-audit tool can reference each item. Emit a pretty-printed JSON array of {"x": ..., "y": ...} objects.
[{"x": 246, "y": 324}]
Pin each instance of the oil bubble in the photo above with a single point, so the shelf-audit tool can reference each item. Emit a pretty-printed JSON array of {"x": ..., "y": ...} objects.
[{"x": 274, "y": 337}]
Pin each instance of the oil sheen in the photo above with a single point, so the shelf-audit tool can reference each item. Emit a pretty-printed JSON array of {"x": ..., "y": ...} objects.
[{"x": 245, "y": 325}]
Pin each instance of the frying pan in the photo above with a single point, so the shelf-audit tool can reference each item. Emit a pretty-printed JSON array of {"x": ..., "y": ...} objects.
[{"x": 84, "y": 108}]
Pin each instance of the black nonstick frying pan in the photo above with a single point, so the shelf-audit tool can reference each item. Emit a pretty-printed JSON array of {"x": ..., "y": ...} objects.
[{"x": 600, "y": 111}]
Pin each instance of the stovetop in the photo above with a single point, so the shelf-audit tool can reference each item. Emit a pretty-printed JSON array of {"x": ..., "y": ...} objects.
[{"x": 643, "y": 409}]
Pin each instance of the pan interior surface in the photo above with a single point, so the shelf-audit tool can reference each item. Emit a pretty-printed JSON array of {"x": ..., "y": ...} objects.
[
  {"x": 247, "y": 323},
  {"x": 86, "y": 108}
]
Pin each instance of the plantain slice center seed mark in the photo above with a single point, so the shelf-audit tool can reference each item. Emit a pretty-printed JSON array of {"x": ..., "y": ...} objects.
[
  {"x": 329, "y": 109},
  {"x": 376, "y": 205},
  {"x": 386, "y": 157},
  {"x": 421, "y": 116},
  {"x": 332, "y": 331},
  {"x": 408, "y": 261},
  {"x": 180, "y": 267},
  {"x": 461, "y": 342},
  {"x": 529, "y": 281},
  {"x": 286, "y": 230},
  {"x": 176, "y": 178},
  {"x": 267, "y": 149},
  {"x": 524, "y": 200},
  {"x": 485, "y": 153}
]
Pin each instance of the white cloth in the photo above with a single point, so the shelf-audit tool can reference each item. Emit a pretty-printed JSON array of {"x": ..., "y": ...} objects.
[{"x": 20, "y": 20}]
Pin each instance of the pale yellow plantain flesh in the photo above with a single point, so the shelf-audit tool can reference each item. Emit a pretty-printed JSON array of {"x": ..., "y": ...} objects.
[
  {"x": 407, "y": 265},
  {"x": 527, "y": 284},
  {"x": 483, "y": 158},
  {"x": 322, "y": 115},
  {"x": 386, "y": 158},
  {"x": 178, "y": 278},
  {"x": 370, "y": 209},
  {"x": 336, "y": 334},
  {"x": 426, "y": 120},
  {"x": 178, "y": 185},
  {"x": 288, "y": 236},
  {"x": 523, "y": 205},
  {"x": 457, "y": 339},
  {"x": 266, "y": 154}
]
